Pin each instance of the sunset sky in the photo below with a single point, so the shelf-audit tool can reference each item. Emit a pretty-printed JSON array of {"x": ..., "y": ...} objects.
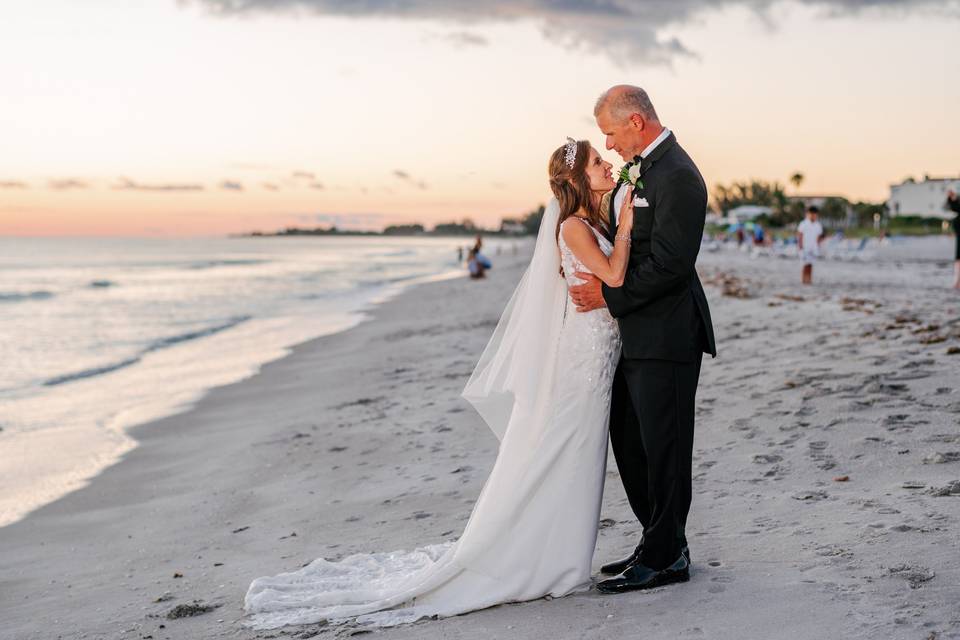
[{"x": 211, "y": 116}]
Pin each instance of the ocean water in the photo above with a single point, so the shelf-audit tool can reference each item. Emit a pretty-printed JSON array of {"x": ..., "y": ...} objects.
[{"x": 98, "y": 335}]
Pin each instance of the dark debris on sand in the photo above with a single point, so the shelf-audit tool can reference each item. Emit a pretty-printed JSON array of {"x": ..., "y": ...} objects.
[{"x": 189, "y": 610}]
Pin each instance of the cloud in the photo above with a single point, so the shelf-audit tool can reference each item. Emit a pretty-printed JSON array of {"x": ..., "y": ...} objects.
[
  {"x": 126, "y": 184},
  {"x": 12, "y": 184},
  {"x": 460, "y": 39},
  {"x": 310, "y": 177},
  {"x": 269, "y": 186},
  {"x": 67, "y": 184},
  {"x": 406, "y": 177},
  {"x": 623, "y": 29},
  {"x": 230, "y": 185}
]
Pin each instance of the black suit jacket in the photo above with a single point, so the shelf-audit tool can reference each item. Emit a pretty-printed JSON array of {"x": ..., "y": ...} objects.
[{"x": 661, "y": 307}]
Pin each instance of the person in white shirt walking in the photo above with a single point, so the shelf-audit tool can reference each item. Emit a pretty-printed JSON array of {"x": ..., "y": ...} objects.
[{"x": 809, "y": 237}]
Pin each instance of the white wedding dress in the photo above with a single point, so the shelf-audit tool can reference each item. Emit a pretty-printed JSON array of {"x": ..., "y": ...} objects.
[{"x": 533, "y": 529}]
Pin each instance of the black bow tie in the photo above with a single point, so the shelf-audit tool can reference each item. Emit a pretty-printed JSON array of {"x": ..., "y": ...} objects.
[{"x": 645, "y": 163}]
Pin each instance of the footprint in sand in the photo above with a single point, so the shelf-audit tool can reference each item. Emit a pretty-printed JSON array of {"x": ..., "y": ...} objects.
[
  {"x": 810, "y": 496},
  {"x": 942, "y": 458},
  {"x": 743, "y": 425},
  {"x": 952, "y": 488},
  {"x": 943, "y": 437},
  {"x": 818, "y": 454},
  {"x": 915, "y": 575},
  {"x": 766, "y": 458},
  {"x": 789, "y": 441}
]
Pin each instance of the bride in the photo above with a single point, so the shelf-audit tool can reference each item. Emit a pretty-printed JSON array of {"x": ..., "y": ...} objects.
[{"x": 543, "y": 386}]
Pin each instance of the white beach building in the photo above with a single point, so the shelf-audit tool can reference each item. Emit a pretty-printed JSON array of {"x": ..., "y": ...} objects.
[
  {"x": 927, "y": 198},
  {"x": 747, "y": 212}
]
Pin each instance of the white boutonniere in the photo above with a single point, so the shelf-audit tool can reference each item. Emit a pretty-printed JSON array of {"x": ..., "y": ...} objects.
[{"x": 631, "y": 173}]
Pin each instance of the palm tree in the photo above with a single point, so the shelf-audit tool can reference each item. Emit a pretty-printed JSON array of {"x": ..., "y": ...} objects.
[{"x": 797, "y": 180}]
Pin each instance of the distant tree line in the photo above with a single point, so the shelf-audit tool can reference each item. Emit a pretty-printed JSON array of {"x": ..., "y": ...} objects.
[
  {"x": 787, "y": 210},
  {"x": 315, "y": 231},
  {"x": 527, "y": 224}
]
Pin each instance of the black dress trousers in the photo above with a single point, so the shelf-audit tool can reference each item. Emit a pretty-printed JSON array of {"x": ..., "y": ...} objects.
[{"x": 651, "y": 430}]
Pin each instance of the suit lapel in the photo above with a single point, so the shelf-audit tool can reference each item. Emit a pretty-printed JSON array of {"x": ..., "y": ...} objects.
[
  {"x": 668, "y": 143},
  {"x": 658, "y": 153}
]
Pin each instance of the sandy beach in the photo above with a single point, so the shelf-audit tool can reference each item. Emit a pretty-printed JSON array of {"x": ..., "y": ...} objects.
[{"x": 826, "y": 473}]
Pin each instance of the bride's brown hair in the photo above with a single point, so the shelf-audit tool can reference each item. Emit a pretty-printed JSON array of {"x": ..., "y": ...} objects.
[{"x": 571, "y": 186}]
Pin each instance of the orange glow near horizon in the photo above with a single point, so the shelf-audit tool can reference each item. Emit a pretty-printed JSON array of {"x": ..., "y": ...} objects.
[{"x": 277, "y": 120}]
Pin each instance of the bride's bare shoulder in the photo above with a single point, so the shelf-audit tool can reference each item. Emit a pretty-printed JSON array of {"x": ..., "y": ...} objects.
[{"x": 576, "y": 232}]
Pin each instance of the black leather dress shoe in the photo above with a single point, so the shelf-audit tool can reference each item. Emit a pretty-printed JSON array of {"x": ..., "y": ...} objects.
[
  {"x": 640, "y": 577},
  {"x": 620, "y": 566}
]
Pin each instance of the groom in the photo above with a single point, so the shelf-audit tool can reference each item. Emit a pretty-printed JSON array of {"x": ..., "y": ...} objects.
[{"x": 665, "y": 328}]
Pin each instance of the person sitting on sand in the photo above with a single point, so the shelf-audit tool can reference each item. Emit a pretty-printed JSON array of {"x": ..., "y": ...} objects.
[
  {"x": 476, "y": 266},
  {"x": 809, "y": 237}
]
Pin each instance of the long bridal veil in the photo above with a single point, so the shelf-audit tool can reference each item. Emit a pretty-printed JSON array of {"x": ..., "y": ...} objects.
[{"x": 513, "y": 379}]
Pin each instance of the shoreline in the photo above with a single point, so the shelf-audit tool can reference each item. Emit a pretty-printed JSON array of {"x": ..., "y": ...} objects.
[
  {"x": 360, "y": 442},
  {"x": 115, "y": 437}
]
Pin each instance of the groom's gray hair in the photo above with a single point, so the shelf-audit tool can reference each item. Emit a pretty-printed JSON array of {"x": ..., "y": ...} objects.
[{"x": 623, "y": 100}]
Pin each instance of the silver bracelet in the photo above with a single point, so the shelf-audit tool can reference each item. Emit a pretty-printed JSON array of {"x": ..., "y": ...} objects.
[{"x": 622, "y": 236}]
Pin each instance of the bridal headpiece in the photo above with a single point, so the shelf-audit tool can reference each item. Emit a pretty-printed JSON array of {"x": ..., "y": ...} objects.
[{"x": 570, "y": 152}]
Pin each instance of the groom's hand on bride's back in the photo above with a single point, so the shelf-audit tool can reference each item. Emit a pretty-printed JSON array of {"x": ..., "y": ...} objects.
[{"x": 587, "y": 296}]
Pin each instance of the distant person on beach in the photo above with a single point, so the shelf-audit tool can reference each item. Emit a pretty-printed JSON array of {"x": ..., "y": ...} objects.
[
  {"x": 953, "y": 204},
  {"x": 476, "y": 265},
  {"x": 758, "y": 235},
  {"x": 809, "y": 237},
  {"x": 481, "y": 261}
]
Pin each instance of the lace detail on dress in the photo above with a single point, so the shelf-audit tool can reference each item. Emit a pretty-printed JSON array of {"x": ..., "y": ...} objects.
[
  {"x": 591, "y": 339},
  {"x": 363, "y": 583}
]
